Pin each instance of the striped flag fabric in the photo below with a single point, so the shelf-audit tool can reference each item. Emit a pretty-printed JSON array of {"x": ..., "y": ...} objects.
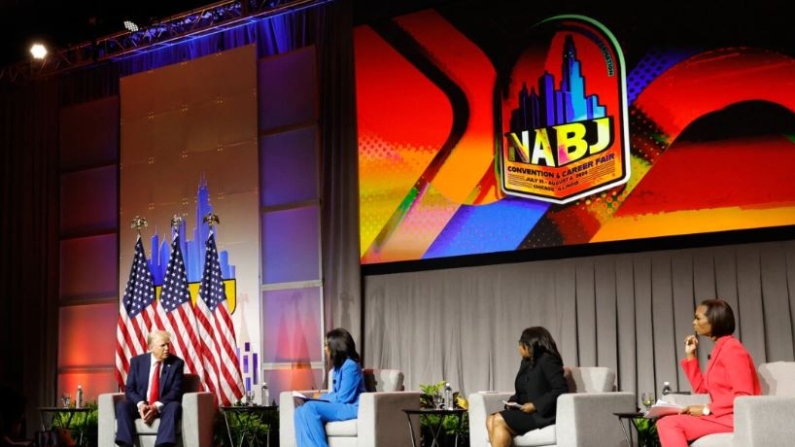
[
  {"x": 217, "y": 333},
  {"x": 136, "y": 313},
  {"x": 175, "y": 313}
]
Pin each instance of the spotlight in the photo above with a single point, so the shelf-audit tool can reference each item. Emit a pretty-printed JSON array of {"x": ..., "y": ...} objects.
[
  {"x": 130, "y": 26},
  {"x": 39, "y": 51}
]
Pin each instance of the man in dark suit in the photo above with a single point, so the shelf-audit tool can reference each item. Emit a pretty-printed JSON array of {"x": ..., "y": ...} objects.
[{"x": 149, "y": 395}]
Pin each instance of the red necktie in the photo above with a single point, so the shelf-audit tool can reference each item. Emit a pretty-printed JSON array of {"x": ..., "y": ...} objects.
[{"x": 154, "y": 390}]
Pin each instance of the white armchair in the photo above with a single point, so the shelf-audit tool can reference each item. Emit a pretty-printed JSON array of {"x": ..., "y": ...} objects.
[
  {"x": 381, "y": 421},
  {"x": 759, "y": 421},
  {"x": 196, "y": 430},
  {"x": 584, "y": 415}
]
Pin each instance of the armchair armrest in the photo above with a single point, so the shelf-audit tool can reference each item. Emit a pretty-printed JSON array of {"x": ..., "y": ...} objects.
[
  {"x": 106, "y": 417},
  {"x": 286, "y": 416},
  {"x": 382, "y": 422},
  {"x": 587, "y": 419},
  {"x": 198, "y": 416},
  {"x": 762, "y": 421},
  {"x": 480, "y": 406}
]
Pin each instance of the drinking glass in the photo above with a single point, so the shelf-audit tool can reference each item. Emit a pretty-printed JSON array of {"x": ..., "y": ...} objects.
[
  {"x": 647, "y": 399},
  {"x": 438, "y": 401},
  {"x": 249, "y": 397},
  {"x": 66, "y": 400}
]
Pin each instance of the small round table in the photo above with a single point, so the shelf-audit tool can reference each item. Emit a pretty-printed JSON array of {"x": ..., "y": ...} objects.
[{"x": 435, "y": 431}]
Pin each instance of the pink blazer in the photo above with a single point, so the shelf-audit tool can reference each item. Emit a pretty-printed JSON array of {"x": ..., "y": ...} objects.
[{"x": 730, "y": 373}]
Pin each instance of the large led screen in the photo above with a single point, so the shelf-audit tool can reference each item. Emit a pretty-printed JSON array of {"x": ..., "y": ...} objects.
[{"x": 488, "y": 127}]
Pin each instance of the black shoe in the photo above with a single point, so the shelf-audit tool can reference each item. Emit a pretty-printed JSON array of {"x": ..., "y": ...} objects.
[{"x": 123, "y": 444}]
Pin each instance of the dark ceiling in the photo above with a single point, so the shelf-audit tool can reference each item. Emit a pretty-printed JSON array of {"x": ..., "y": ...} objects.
[
  {"x": 65, "y": 22},
  {"x": 69, "y": 22}
]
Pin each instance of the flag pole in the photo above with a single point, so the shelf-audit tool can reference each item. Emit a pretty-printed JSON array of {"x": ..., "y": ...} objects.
[{"x": 135, "y": 308}]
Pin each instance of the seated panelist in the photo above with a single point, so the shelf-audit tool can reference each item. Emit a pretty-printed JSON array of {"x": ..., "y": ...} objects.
[
  {"x": 539, "y": 383},
  {"x": 342, "y": 402},
  {"x": 730, "y": 373},
  {"x": 153, "y": 390}
]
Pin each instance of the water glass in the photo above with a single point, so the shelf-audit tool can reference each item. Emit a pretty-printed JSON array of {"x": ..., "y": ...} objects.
[
  {"x": 66, "y": 400},
  {"x": 249, "y": 397},
  {"x": 647, "y": 399}
]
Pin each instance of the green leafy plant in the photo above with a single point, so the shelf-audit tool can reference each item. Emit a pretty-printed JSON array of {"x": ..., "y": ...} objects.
[
  {"x": 256, "y": 426},
  {"x": 647, "y": 432},
  {"x": 83, "y": 426}
]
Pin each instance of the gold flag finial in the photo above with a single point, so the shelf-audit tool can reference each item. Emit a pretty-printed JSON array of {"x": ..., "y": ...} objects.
[
  {"x": 137, "y": 223},
  {"x": 211, "y": 219},
  {"x": 176, "y": 221}
]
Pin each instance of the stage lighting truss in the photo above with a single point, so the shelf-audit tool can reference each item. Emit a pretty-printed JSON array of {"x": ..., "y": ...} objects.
[{"x": 201, "y": 21}]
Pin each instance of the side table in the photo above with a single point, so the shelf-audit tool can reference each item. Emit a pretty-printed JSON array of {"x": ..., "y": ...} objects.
[
  {"x": 241, "y": 424},
  {"x": 633, "y": 418},
  {"x": 61, "y": 417},
  {"x": 435, "y": 431}
]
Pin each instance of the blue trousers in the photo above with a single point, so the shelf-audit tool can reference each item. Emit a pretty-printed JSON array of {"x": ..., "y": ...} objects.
[
  {"x": 312, "y": 415},
  {"x": 127, "y": 413}
]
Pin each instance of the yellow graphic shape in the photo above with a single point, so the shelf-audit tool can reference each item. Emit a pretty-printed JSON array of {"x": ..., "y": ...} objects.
[
  {"x": 420, "y": 227},
  {"x": 230, "y": 287}
]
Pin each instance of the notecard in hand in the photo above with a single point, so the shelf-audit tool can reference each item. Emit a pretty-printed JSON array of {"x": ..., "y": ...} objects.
[
  {"x": 662, "y": 408},
  {"x": 512, "y": 404},
  {"x": 303, "y": 397}
]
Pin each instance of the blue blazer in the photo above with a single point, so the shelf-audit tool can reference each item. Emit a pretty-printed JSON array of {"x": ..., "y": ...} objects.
[
  {"x": 170, "y": 379},
  {"x": 347, "y": 384}
]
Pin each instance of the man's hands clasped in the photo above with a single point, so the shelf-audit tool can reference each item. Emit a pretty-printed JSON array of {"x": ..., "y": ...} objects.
[{"x": 148, "y": 413}]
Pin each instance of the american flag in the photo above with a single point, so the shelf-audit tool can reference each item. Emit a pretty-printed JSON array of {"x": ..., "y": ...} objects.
[
  {"x": 136, "y": 313},
  {"x": 175, "y": 313},
  {"x": 217, "y": 334}
]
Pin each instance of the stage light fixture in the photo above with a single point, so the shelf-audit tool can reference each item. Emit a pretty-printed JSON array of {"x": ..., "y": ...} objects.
[
  {"x": 38, "y": 50},
  {"x": 130, "y": 26}
]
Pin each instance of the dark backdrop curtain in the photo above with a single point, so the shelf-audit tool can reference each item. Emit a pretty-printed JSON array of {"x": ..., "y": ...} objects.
[
  {"x": 29, "y": 241},
  {"x": 340, "y": 172}
]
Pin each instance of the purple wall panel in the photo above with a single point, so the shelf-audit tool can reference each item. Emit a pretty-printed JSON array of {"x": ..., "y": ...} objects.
[
  {"x": 290, "y": 246},
  {"x": 89, "y": 268},
  {"x": 89, "y": 201},
  {"x": 293, "y": 320},
  {"x": 288, "y": 90},
  {"x": 90, "y": 134},
  {"x": 78, "y": 327},
  {"x": 289, "y": 168}
]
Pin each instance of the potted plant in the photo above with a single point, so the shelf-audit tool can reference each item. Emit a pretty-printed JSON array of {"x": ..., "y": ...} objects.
[
  {"x": 647, "y": 432},
  {"x": 249, "y": 429},
  {"x": 431, "y": 398},
  {"x": 83, "y": 427}
]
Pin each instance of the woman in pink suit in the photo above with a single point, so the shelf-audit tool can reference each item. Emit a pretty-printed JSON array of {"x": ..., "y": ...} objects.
[{"x": 730, "y": 373}]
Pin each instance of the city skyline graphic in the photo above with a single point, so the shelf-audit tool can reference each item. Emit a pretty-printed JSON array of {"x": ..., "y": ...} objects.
[
  {"x": 550, "y": 106},
  {"x": 193, "y": 250}
]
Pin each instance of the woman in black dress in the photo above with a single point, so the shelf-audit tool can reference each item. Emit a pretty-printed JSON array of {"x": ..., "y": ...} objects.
[{"x": 539, "y": 382}]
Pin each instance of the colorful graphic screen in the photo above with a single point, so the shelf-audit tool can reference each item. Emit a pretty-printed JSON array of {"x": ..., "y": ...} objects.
[{"x": 501, "y": 128}]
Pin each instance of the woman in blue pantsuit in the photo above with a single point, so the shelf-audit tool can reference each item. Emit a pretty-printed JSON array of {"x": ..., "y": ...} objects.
[{"x": 343, "y": 400}]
